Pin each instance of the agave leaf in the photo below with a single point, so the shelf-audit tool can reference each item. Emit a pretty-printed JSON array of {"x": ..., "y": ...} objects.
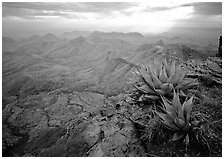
[
  {"x": 160, "y": 91},
  {"x": 168, "y": 70},
  {"x": 182, "y": 75},
  {"x": 177, "y": 136},
  {"x": 187, "y": 107},
  {"x": 163, "y": 76},
  {"x": 168, "y": 120},
  {"x": 146, "y": 89},
  {"x": 187, "y": 127},
  {"x": 165, "y": 62},
  {"x": 147, "y": 79},
  {"x": 170, "y": 79},
  {"x": 168, "y": 107},
  {"x": 152, "y": 97},
  {"x": 158, "y": 66},
  {"x": 178, "y": 68},
  {"x": 176, "y": 78},
  {"x": 192, "y": 84},
  {"x": 179, "y": 122},
  {"x": 138, "y": 75},
  {"x": 187, "y": 140},
  {"x": 180, "y": 112},
  {"x": 165, "y": 117},
  {"x": 176, "y": 102},
  {"x": 182, "y": 93},
  {"x": 152, "y": 69},
  {"x": 184, "y": 83},
  {"x": 156, "y": 81},
  {"x": 172, "y": 68},
  {"x": 167, "y": 87}
]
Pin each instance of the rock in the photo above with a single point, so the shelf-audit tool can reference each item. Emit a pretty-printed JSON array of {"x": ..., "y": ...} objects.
[
  {"x": 8, "y": 138},
  {"x": 208, "y": 72},
  {"x": 75, "y": 124}
]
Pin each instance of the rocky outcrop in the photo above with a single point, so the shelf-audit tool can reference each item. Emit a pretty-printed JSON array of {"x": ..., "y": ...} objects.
[{"x": 208, "y": 72}]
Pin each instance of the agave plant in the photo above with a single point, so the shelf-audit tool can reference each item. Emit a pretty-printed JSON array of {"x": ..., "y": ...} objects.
[
  {"x": 160, "y": 77},
  {"x": 177, "y": 116}
]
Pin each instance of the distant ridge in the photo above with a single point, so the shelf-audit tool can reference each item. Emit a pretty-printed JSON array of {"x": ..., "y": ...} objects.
[
  {"x": 74, "y": 34},
  {"x": 117, "y": 34},
  {"x": 49, "y": 37},
  {"x": 34, "y": 37},
  {"x": 77, "y": 41},
  {"x": 8, "y": 40}
]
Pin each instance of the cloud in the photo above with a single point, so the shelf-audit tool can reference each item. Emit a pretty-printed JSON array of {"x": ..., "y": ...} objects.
[
  {"x": 208, "y": 8},
  {"x": 153, "y": 16},
  {"x": 205, "y": 15},
  {"x": 68, "y": 10}
]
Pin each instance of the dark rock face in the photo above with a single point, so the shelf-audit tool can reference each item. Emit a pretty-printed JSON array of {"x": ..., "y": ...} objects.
[{"x": 219, "y": 54}]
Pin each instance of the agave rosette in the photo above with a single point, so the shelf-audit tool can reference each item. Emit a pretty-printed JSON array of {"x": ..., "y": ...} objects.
[
  {"x": 177, "y": 116},
  {"x": 160, "y": 77}
]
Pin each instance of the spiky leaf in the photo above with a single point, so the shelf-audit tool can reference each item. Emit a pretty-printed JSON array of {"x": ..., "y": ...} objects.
[
  {"x": 147, "y": 79},
  {"x": 187, "y": 107},
  {"x": 163, "y": 76},
  {"x": 168, "y": 108},
  {"x": 176, "y": 102},
  {"x": 146, "y": 89},
  {"x": 179, "y": 122},
  {"x": 156, "y": 81},
  {"x": 172, "y": 68},
  {"x": 158, "y": 66},
  {"x": 160, "y": 91},
  {"x": 168, "y": 120},
  {"x": 152, "y": 97},
  {"x": 167, "y": 87},
  {"x": 177, "y": 136}
]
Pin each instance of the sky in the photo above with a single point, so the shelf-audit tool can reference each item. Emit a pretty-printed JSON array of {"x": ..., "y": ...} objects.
[{"x": 22, "y": 19}]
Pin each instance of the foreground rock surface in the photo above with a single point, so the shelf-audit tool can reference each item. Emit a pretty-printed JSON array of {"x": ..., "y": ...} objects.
[{"x": 74, "y": 124}]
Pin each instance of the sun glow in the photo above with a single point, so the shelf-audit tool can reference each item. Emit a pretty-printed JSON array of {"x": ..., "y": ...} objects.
[{"x": 155, "y": 22}]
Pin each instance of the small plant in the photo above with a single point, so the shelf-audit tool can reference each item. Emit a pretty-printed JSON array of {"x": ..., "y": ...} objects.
[
  {"x": 177, "y": 116},
  {"x": 160, "y": 77}
]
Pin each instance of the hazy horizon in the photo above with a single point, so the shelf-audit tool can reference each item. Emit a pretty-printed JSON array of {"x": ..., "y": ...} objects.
[{"x": 23, "y": 19}]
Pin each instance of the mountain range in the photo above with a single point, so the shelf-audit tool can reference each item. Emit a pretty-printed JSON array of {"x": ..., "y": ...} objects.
[{"x": 98, "y": 57}]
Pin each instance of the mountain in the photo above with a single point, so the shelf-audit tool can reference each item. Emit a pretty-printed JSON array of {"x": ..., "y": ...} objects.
[
  {"x": 74, "y": 34},
  {"x": 49, "y": 37},
  {"x": 147, "y": 52},
  {"x": 34, "y": 37},
  {"x": 116, "y": 35}
]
